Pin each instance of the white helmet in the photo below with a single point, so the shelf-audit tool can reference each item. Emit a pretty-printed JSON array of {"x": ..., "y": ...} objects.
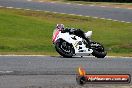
[{"x": 60, "y": 26}]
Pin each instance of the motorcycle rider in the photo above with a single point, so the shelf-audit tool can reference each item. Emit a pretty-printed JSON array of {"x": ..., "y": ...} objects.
[{"x": 77, "y": 32}]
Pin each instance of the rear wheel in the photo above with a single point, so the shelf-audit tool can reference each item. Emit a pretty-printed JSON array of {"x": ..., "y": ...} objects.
[
  {"x": 98, "y": 50},
  {"x": 64, "y": 48}
]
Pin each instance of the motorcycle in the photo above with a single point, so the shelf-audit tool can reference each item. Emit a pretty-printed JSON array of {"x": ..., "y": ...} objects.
[{"x": 69, "y": 45}]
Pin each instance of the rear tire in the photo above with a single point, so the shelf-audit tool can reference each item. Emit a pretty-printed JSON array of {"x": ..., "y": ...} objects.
[{"x": 64, "y": 48}]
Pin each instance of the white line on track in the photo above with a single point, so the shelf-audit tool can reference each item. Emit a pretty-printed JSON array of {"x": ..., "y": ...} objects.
[
  {"x": 22, "y": 55},
  {"x": 41, "y": 1},
  {"x": 27, "y": 9},
  {"x": 115, "y": 20},
  {"x": 63, "y": 13},
  {"x": 38, "y": 10},
  {"x": 117, "y": 7},
  {"x": 49, "y": 11},
  {"x": 79, "y": 15},
  {"x": 109, "y": 56},
  {"x": 18, "y": 8},
  {"x": 128, "y": 22},
  {"x": 29, "y": 0},
  {"x": 1, "y": 6},
  {"x": 91, "y": 5},
  {"x": 129, "y": 8},
  {"x": 113, "y": 7},
  {"x": 123, "y": 21},
  {"x": 49, "y": 56},
  {"x": 109, "y": 19},
  {"x": 68, "y": 3},
  {"x": 72, "y": 14},
  {"x": 9, "y": 7},
  {"x": 52, "y": 2},
  {"x": 53, "y": 12},
  {"x": 87, "y": 16},
  {"x": 6, "y": 71},
  {"x": 79, "y": 4},
  {"x": 103, "y": 18},
  {"x": 95, "y": 17},
  {"x": 103, "y": 6}
]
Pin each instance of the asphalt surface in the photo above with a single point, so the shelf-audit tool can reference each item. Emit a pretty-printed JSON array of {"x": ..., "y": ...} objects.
[
  {"x": 94, "y": 11},
  {"x": 58, "y": 72}
]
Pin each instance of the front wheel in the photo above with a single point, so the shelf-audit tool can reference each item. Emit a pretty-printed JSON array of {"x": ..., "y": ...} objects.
[
  {"x": 98, "y": 50},
  {"x": 64, "y": 48}
]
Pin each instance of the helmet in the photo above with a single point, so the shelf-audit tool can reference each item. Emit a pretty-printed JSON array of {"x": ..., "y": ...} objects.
[{"x": 60, "y": 26}]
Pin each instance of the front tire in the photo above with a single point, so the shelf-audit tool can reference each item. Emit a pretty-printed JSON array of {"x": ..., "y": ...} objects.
[
  {"x": 64, "y": 48},
  {"x": 98, "y": 50}
]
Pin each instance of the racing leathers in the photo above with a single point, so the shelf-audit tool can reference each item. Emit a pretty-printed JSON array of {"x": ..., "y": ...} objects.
[{"x": 78, "y": 33}]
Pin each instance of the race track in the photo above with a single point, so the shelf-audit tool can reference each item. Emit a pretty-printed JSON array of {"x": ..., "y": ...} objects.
[
  {"x": 58, "y": 72},
  {"x": 119, "y": 14}
]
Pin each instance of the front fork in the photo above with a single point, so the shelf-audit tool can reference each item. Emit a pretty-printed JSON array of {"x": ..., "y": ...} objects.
[{"x": 87, "y": 43}]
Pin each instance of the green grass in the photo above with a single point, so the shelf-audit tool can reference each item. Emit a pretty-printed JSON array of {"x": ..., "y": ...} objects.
[{"x": 30, "y": 32}]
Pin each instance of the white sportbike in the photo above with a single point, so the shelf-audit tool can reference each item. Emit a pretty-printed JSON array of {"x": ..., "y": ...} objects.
[{"x": 68, "y": 45}]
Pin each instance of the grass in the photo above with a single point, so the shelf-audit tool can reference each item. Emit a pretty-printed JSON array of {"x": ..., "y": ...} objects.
[{"x": 30, "y": 32}]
